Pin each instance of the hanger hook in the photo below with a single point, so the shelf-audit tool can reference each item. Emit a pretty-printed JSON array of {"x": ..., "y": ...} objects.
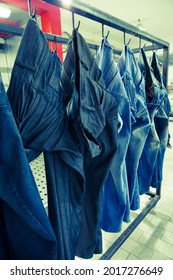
[
  {"x": 32, "y": 13},
  {"x": 107, "y": 34},
  {"x": 103, "y": 32},
  {"x": 124, "y": 37},
  {"x": 73, "y": 23},
  {"x": 73, "y": 20},
  {"x": 128, "y": 41},
  {"x": 78, "y": 25},
  {"x": 140, "y": 42}
]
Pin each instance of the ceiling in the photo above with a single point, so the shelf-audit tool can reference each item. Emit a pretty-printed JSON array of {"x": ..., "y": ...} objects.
[{"x": 156, "y": 16}]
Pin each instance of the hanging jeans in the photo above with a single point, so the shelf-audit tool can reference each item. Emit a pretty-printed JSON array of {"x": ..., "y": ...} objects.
[
  {"x": 94, "y": 118},
  {"x": 116, "y": 203},
  {"x": 154, "y": 98},
  {"x": 140, "y": 121},
  {"x": 39, "y": 108},
  {"x": 25, "y": 230},
  {"x": 161, "y": 124}
]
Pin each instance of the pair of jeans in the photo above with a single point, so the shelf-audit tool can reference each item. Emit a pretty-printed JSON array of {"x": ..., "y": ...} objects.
[
  {"x": 140, "y": 121},
  {"x": 116, "y": 203},
  {"x": 161, "y": 120},
  {"x": 25, "y": 230},
  {"x": 94, "y": 118},
  {"x": 150, "y": 152},
  {"x": 39, "y": 107}
]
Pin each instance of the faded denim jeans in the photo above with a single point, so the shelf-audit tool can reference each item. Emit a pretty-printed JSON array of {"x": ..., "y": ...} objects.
[
  {"x": 116, "y": 203},
  {"x": 154, "y": 95},
  {"x": 140, "y": 121},
  {"x": 161, "y": 120}
]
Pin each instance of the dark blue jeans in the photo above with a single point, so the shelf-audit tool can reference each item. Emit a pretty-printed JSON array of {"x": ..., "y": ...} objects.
[
  {"x": 140, "y": 121},
  {"x": 161, "y": 121},
  {"x": 116, "y": 203},
  {"x": 94, "y": 117},
  {"x": 155, "y": 97},
  {"x": 161, "y": 125},
  {"x": 39, "y": 108},
  {"x": 40, "y": 103},
  {"x": 25, "y": 230}
]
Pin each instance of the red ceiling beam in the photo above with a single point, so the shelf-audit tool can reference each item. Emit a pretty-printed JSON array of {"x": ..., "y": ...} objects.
[
  {"x": 41, "y": 6},
  {"x": 51, "y": 23},
  {"x": 10, "y": 22},
  {"x": 50, "y": 18}
]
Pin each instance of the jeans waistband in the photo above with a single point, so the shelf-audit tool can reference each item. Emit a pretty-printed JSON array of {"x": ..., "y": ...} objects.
[{"x": 34, "y": 54}]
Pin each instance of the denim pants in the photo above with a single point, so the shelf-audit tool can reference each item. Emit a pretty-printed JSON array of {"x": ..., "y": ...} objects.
[
  {"x": 39, "y": 108},
  {"x": 25, "y": 230},
  {"x": 94, "y": 118},
  {"x": 140, "y": 121},
  {"x": 161, "y": 124},
  {"x": 150, "y": 152},
  {"x": 116, "y": 203}
]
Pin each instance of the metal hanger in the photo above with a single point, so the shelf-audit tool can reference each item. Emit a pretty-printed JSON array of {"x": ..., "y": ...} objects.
[
  {"x": 125, "y": 39},
  {"x": 32, "y": 12},
  {"x": 103, "y": 35},
  {"x": 73, "y": 22},
  {"x": 140, "y": 42}
]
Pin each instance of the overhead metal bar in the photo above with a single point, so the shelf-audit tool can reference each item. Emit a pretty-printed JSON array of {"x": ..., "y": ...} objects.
[
  {"x": 17, "y": 31},
  {"x": 11, "y": 30},
  {"x": 92, "y": 13}
]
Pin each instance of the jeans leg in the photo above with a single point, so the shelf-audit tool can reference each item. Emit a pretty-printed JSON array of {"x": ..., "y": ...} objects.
[{"x": 161, "y": 125}]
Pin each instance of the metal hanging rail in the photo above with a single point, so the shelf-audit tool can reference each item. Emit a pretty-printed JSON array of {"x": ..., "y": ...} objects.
[
  {"x": 18, "y": 31},
  {"x": 97, "y": 15},
  {"x": 85, "y": 10}
]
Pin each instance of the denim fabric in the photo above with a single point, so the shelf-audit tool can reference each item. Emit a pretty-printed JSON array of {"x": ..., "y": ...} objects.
[
  {"x": 116, "y": 203},
  {"x": 140, "y": 121},
  {"x": 34, "y": 92},
  {"x": 161, "y": 124},
  {"x": 25, "y": 230},
  {"x": 94, "y": 118},
  {"x": 167, "y": 109},
  {"x": 151, "y": 148},
  {"x": 39, "y": 108}
]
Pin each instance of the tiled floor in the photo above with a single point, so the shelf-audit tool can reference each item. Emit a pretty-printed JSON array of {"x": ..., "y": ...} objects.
[{"x": 153, "y": 238}]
